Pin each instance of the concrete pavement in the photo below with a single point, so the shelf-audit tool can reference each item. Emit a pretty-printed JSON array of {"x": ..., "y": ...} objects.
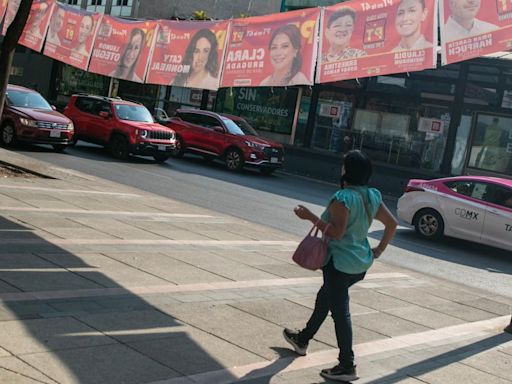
[{"x": 101, "y": 283}]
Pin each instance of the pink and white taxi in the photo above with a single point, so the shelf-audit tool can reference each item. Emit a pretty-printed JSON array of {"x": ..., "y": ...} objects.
[{"x": 467, "y": 207}]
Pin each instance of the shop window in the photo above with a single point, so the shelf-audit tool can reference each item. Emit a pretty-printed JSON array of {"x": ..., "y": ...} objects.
[
  {"x": 96, "y": 5},
  {"x": 506, "y": 102},
  {"x": 479, "y": 94},
  {"x": 491, "y": 146},
  {"x": 412, "y": 86},
  {"x": 461, "y": 143},
  {"x": 121, "y": 8}
]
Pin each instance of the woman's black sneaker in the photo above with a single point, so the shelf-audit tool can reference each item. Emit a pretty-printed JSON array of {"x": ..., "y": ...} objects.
[
  {"x": 293, "y": 338},
  {"x": 338, "y": 373}
]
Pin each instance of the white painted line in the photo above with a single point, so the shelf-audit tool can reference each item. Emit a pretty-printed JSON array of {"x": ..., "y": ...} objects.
[
  {"x": 164, "y": 288},
  {"x": 312, "y": 360},
  {"x": 74, "y": 191},
  {"x": 99, "y": 212}
]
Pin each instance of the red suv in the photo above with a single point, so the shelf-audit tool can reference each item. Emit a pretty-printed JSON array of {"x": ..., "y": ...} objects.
[
  {"x": 226, "y": 137},
  {"x": 124, "y": 127},
  {"x": 28, "y": 117}
]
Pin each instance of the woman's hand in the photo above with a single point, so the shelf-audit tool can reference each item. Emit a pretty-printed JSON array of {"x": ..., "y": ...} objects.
[
  {"x": 376, "y": 252},
  {"x": 304, "y": 213}
]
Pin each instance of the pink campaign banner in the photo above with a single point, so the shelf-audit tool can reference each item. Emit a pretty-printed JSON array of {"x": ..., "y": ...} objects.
[
  {"x": 3, "y": 7},
  {"x": 273, "y": 50},
  {"x": 473, "y": 28},
  {"x": 122, "y": 48},
  {"x": 37, "y": 24},
  {"x": 10, "y": 14},
  {"x": 379, "y": 37},
  {"x": 71, "y": 35},
  {"x": 188, "y": 54}
]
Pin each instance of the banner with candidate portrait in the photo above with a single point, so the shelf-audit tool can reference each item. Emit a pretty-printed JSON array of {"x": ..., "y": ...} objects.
[
  {"x": 71, "y": 35},
  {"x": 37, "y": 23},
  {"x": 273, "y": 50},
  {"x": 10, "y": 13},
  {"x": 474, "y": 28},
  {"x": 188, "y": 54},
  {"x": 365, "y": 38},
  {"x": 3, "y": 7},
  {"x": 122, "y": 48}
]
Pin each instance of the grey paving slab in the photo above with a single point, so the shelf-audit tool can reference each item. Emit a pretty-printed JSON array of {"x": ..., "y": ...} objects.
[
  {"x": 425, "y": 317},
  {"x": 24, "y": 261},
  {"x": 7, "y": 376},
  {"x": 375, "y": 300},
  {"x": 490, "y": 305},
  {"x": 79, "y": 233},
  {"x": 458, "y": 295},
  {"x": 15, "y": 370},
  {"x": 459, "y": 373},
  {"x": 30, "y": 336},
  {"x": 463, "y": 312},
  {"x": 245, "y": 257},
  {"x": 413, "y": 295},
  {"x": 101, "y": 364},
  {"x": 46, "y": 281},
  {"x": 47, "y": 221},
  {"x": 309, "y": 302},
  {"x": 287, "y": 270},
  {"x": 117, "y": 229},
  {"x": 493, "y": 362},
  {"x": 22, "y": 310},
  {"x": 387, "y": 325},
  {"x": 193, "y": 351}
]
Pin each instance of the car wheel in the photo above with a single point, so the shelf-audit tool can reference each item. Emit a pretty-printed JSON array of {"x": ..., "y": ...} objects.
[
  {"x": 8, "y": 135},
  {"x": 59, "y": 147},
  {"x": 234, "y": 159},
  {"x": 161, "y": 157},
  {"x": 267, "y": 171},
  {"x": 429, "y": 224},
  {"x": 119, "y": 147},
  {"x": 179, "y": 150}
]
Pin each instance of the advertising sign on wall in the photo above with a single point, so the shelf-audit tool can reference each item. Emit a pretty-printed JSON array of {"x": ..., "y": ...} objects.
[
  {"x": 362, "y": 39},
  {"x": 35, "y": 29},
  {"x": 188, "y": 54},
  {"x": 273, "y": 50}
]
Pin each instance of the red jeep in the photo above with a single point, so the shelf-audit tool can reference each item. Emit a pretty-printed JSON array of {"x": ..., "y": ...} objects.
[
  {"x": 28, "y": 117},
  {"x": 124, "y": 127},
  {"x": 226, "y": 137}
]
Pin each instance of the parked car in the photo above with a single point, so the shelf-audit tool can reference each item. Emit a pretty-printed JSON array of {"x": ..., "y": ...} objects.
[
  {"x": 471, "y": 208},
  {"x": 226, "y": 137},
  {"x": 124, "y": 127},
  {"x": 28, "y": 117}
]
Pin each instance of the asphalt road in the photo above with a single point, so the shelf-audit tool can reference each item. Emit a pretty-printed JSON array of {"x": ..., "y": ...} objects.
[{"x": 269, "y": 200}]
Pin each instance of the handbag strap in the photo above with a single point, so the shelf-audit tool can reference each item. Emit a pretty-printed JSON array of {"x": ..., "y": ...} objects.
[
  {"x": 368, "y": 214},
  {"x": 315, "y": 226}
]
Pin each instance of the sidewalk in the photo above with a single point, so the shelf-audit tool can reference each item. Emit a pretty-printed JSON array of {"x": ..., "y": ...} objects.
[{"x": 102, "y": 283}]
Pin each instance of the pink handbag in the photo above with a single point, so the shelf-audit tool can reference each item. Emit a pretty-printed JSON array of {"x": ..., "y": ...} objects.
[{"x": 312, "y": 251}]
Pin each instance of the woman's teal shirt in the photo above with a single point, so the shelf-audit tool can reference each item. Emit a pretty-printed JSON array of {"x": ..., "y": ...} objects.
[{"x": 352, "y": 253}]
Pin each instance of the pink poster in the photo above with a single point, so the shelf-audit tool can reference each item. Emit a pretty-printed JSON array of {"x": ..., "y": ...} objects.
[
  {"x": 122, "y": 48},
  {"x": 272, "y": 50},
  {"x": 10, "y": 14},
  {"x": 368, "y": 38},
  {"x": 3, "y": 7},
  {"x": 71, "y": 35},
  {"x": 473, "y": 28},
  {"x": 188, "y": 54},
  {"x": 37, "y": 23}
]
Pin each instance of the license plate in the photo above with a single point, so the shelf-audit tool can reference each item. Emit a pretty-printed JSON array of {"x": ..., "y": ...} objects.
[
  {"x": 54, "y": 133},
  {"x": 162, "y": 148},
  {"x": 273, "y": 159}
]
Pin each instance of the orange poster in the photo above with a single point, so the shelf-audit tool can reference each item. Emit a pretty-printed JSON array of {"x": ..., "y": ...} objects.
[
  {"x": 122, "y": 48},
  {"x": 273, "y": 50},
  {"x": 37, "y": 24},
  {"x": 188, "y": 54},
  {"x": 473, "y": 28},
  {"x": 71, "y": 35},
  {"x": 369, "y": 38}
]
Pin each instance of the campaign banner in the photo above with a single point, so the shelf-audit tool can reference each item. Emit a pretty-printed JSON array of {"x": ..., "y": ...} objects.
[
  {"x": 122, "y": 48},
  {"x": 188, "y": 54},
  {"x": 365, "y": 38},
  {"x": 3, "y": 7},
  {"x": 10, "y": 13},
  {"x": 274, "y": 50},
  {"x": 35, "y": 29},
  {"x": 474, "y": 29},
  {"x": 71, "y": 35}
]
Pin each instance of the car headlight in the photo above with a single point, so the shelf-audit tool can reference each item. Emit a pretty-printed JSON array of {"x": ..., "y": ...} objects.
[
  {"x": 71, "y": 127},
  {"x": 28, "y": 122},
  {"x": 250, "y": 144}
]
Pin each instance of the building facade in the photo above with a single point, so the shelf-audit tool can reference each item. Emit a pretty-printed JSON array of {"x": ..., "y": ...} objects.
[{"x": 452, "y": 120}]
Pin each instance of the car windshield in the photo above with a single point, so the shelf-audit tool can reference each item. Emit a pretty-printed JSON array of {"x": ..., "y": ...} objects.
[
  {"x": 133, "y": 113},
  {"x": 239, "y": 127},
  {"x": 26, "y": 99}
]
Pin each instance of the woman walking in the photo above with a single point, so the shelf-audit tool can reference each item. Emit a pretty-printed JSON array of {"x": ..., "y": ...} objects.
[{"x": 346, "y": 222}]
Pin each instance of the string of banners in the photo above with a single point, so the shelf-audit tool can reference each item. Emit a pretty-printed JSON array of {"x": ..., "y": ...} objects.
[{"x": 353, "y": 39}]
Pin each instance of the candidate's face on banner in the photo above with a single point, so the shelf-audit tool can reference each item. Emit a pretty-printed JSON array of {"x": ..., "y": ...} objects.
[
  {"x": 133, "y": 49},
  {"x": 409, "y": 17},
  {"x": 339, "y": 32},
  {"x": 201, "y": 54},
  {"x": 37, "y": 16},
  {"x": 283, "y": 52},
  {"x": 464, "y": 9},
  {"x": 57, "y": 21},
  {"x": 86, "y": 29}
]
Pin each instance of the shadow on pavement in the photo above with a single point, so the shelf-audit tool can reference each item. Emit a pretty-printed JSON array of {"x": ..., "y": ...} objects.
[{"x": 64, "y": 338}]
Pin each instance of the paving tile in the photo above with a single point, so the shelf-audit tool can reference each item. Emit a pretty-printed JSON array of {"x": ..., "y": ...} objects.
[
  {"x": 493, "y": 362},
  {"x": 16, "y": 371},
  {"x": 375, "y": 300},
  {"x": 387, "y": 325},
  {"x": 463, "y": 312},
  {"x": 425, "y": 317},
  {"x": 459, "y": 373}
]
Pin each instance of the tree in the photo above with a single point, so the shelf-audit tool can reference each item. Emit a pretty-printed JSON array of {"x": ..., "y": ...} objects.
[{"x": 8, "y": 47}]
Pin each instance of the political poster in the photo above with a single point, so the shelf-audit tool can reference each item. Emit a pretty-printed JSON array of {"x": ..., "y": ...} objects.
[
  {"x": 3, "y": 7},
  {"x": 122, "y": 48},
  {"x": 37, "y": 23},
  {"x": 10, "y": 13},
  {"x": 370, "y": 38},
  {"x": 472, "y": 28},
  {"x": 188, "y": 54},
  {"x": 71, "y": 35},
  {"x": 273, "y": 50}
]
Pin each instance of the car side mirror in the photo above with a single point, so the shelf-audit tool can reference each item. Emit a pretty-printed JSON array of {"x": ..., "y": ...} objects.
[
  {"x": 218, "y": 129},
  {"x": 104, "y": 114},
  {"x": 53, "y": 107}
]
